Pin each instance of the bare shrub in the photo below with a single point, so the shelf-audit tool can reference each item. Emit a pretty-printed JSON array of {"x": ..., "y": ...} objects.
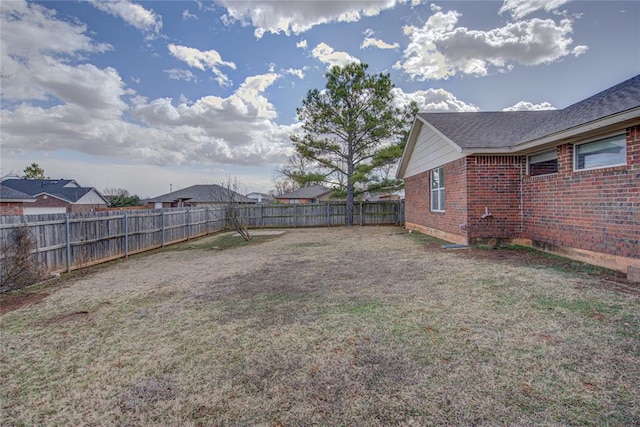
[
  {"x": 19, "y": 266},
  {"x": 234, "y": 219}
]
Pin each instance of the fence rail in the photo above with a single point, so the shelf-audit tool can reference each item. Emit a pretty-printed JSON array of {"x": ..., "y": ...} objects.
[{"x": 70, "y": 241}]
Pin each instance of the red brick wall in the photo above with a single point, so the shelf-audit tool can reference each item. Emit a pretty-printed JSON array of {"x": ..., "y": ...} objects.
[
  {"x": 48, "y": 202},
  {"x": 11, "y": 208},
  {"x": 596, "y": 210},
  {"x": 418, "y": 200},
  {"x": 493, "y": 184}
]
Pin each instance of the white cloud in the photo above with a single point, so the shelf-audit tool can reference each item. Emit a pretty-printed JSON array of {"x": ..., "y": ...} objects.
[
  {"x": 237, "y": 130},
  {"x": 521, "y": 8},
  {"x": 368, "y": 32},
  {"x": 528, "y": 106},
  {"x": 36, "y": 52},
  {"x": 432, "y": 100},
  {"x": 326, "y": 54},
  {"x": 180, "y": 74},
  {"x": 299, "y": 16},
  {"x": 133, "y": 14},
  {"x": 188, "y": 15},
  {"x": 90, "y": 110},
  {"x": 299, "y": 73},
  {"x": 440, "y": 49},
  {"x": 579, "y": 50},
  {"x": 371, "y": 42},
  {"x": 302, "y": 44},
  {"x": 202, "y": 60},
  {"x": 32, "y": 38}
]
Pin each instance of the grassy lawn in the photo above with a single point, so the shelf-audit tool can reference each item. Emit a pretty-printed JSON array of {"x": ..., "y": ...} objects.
[{"x": 364, "y": 326}]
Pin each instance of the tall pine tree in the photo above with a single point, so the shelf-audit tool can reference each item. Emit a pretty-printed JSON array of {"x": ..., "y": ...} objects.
[{"x": 346, "y": 125}]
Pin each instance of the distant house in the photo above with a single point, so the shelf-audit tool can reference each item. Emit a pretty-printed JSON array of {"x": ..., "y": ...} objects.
[
  {"x": 261, "y": 198},
  {"x": 311, "y": 194},
  {"x": 12, "y": 201},
  {"x": 54, "y": 196},
  {"x": 196, "y": 195},
  {"x": 385, "y": 197},
  {"x": 566, "y": 181}
]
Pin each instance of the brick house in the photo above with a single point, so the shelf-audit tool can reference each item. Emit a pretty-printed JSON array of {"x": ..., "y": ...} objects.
[
  {"x": 565, "y": 181},
  {"x": 55, "y": 196},
  {"x": 311, "y": 194}
]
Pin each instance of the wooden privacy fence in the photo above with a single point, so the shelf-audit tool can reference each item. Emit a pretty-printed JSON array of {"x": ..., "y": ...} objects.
[
  {"x": 321, "y": 214},
  {"x": 69, "y": 241}
]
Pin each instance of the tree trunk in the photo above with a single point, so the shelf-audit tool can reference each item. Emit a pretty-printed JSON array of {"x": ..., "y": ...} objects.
[{"x": 348, "y": 220}]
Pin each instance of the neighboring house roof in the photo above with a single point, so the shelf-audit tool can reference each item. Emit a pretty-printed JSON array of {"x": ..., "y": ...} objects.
[
  {"x": 261, "y": 197},
  {"x": 515, "y": 131},
  {"x": 311, "y": 192},
  {"x": 64, "y": 189},
  {"x": 202, "y": 193},
  {"x": 8, "y": 194},
  {"x": 376, "y": 197}
]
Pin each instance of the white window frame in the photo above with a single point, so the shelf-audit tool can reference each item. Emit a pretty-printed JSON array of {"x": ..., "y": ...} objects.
[
  {"x": 542, "y": 157},
  {"x": 440, "y": 190},
  {"x": 622, "y": 137}
]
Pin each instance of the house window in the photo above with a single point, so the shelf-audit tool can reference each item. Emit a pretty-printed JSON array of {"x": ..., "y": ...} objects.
[
  {"x": 601, "y": 153},
  {"x": 437, "y": 189},
  {"x": 543, "y": 163}
]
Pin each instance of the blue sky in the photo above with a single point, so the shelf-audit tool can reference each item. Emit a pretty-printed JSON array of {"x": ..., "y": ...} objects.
[{"x": 148, "y": 95}]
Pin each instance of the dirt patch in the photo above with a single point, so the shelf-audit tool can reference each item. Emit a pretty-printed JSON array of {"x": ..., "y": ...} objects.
[{"x": 19, "y": 299}]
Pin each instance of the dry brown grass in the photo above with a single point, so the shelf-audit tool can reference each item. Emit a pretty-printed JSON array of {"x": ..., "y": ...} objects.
[{"x": 363, "y": 326}]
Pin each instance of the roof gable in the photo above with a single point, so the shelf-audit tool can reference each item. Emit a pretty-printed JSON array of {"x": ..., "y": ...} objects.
[{"x": 515, "y": 131}]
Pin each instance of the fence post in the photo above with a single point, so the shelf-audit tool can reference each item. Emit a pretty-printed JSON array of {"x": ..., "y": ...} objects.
[
  {"x": 206, "y": 219},
  {"x": 188, "y": 223},
  {"x": 328, "y": 220},
  {"x": 295, "y": 216},
  {"x": 162, "y": 225},
  {"x": 361, "y": 216},
  {"x": 68, "y": 232},
  {"x": 261, "y": 215},
  {"x": 126, "y": 234}
]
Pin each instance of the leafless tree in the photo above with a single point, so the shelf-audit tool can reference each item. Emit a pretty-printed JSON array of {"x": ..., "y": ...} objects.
[{"x": 233, "y": 216}]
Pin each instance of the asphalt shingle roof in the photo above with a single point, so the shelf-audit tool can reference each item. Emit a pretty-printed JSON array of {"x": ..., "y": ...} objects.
[
  {"x": 310, "y": 192},
  {"x": 8, "y": 193},
  {"x": 510, "y": 128},
  {"x": 202, "y": 193},
  {"x": 53, "y": 187}
]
